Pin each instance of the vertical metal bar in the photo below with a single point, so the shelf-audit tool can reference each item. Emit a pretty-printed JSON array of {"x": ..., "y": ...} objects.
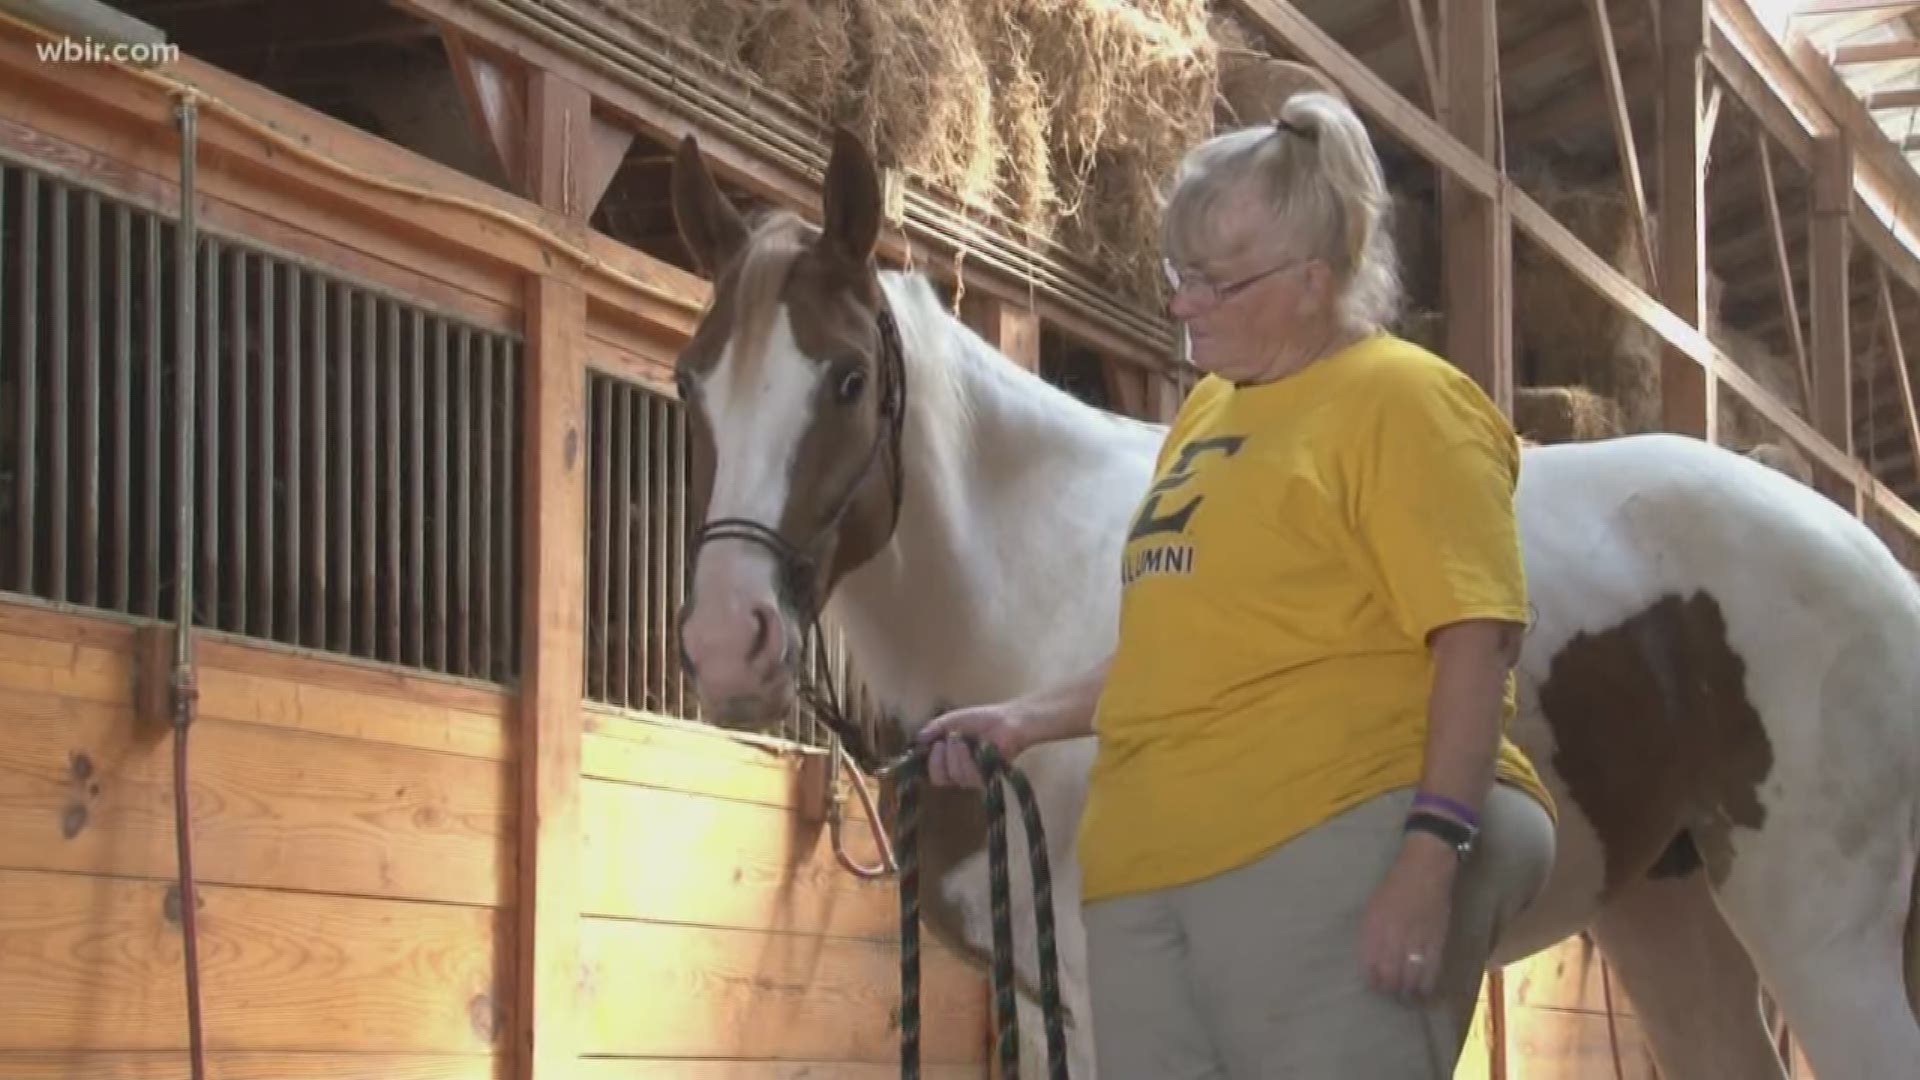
[
  {"x": 622, "y": 629},
  {"x": 644, "y": 554},
  {"x": 390, "y": 359},
  {"x": 417, "y": 494},
  {"x": 208, "y": 486},
  {"x": 507, "y": 517},
  {"x": 365, "y": 593},
  {"x": 264, "y": 467},
  {"x": 463, "y": 501},
  {"x": 90, "y": 451},
  {"x": 602, "y": 389},
  {"x": 318, "y": 575},
  {"x": 155, "y": 455},
  {"x": 19, "y": 526},
  {"x": 483, "y": 515},
  {"x": 665, "y": 660},
  {"x": 296, "y": 439},
  {"x": 59, "y": 358},
  {"x": 441, "y": 634},
  {"x": 242, "y": 457},
  {"x": 510, "y": 575},
  {"x": 294, "y": 486},
  {"x": 341, "y": 621},
  {"x": 679, "y": 519},
  {"x": 26, "y": 520},
  {"x": 123, "y": 278}
]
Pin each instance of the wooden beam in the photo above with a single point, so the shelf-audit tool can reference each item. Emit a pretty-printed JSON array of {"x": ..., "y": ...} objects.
[
  {"x": 1475, "y": 238},
  {"x": 1685, "y": 390},
  {"x": 1015, "y": 331},
  {"x": 496, "y": 99},
  {"x": 1879, "y": 52},
  {"x": 1622, "y": 123},
  {"x": 1783, "y": 270},
  {"x": 1898, "y": 358},
  {"x": 549, "y": 1035},
  {"x": 1416, "y": 20},
  {"x": 1894, "y": 99},
  {"x": 1844, "y": 7},
  {"x": 1829, "y": 256},
  {"x": 1757, "y": 93}
]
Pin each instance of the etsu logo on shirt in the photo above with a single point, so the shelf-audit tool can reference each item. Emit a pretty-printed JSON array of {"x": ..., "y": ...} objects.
[{"x": 1165, "y": 513}]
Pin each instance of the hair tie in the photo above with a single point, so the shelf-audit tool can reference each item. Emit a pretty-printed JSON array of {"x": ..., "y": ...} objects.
[{"x": 1288, "y": 127}]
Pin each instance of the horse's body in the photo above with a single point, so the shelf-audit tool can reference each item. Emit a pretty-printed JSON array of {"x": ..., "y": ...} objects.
[{"x": 1720, "y": 689}]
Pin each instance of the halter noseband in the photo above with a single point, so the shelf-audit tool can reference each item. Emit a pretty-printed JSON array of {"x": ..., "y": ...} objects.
[{"x": 798, "y": 564}]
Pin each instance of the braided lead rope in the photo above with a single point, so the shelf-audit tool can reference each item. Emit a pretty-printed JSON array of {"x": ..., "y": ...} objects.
[{"x": 907, "y": 850}]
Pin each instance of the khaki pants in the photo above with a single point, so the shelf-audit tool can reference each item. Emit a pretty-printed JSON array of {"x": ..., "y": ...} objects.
[{"x": 1255, "y": 974}]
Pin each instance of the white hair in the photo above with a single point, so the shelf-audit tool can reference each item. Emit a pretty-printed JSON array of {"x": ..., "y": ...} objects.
[{"x": 1315, "y": 173}]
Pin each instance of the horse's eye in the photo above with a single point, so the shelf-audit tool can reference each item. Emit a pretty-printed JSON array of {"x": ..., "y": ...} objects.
[
  {"x": 683, "y": 384},
  {"x": 852, "y": 383}
]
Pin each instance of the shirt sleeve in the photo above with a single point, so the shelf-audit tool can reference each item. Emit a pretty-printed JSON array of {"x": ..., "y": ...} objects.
[{"x": 1435, "y": 509}]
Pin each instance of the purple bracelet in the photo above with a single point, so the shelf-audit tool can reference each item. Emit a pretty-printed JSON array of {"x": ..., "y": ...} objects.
[{"x": 1441, "y": 802}]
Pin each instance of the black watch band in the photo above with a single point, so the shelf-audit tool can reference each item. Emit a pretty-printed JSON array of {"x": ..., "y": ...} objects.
[{"x": 1456, "y": 833}]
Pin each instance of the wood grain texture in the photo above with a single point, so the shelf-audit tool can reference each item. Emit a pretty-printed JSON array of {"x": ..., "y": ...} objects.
[
  {"x": 248, "y": 1065},
  {"x": 90, "y": 963},
  {"x": 676, "y": 991},
  {"x": 726, "y": 863},
  {"x": 684, "y": 1069},
  {"x": 1566, "y": 977},
  {"x": 81, "y": 671},
  {"x": 250, "y": 697},
  {"x": 1547, "y": 1044},
  {"x": 684, "y": 758},
  {"x": 83, "y": 789}
]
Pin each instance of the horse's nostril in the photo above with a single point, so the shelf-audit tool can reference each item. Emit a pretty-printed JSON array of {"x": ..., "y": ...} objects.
[{"x": 762, "y": 627}]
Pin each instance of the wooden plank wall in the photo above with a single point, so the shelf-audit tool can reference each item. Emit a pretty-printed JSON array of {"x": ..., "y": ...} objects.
[{"x": 352, "y": 831}]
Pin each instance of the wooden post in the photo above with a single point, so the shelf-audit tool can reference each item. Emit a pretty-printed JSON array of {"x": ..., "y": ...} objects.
[
  {"x": 1685, "y": 396},
  {"x": 1476, "y": 238},
  {"x": 1832, "y": 405},
  {"x": 1015, "y": 331},
  {"x": 549, "y": 1019}
]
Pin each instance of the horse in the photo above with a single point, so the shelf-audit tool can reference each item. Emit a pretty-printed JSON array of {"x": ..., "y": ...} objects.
[{"x": 1718, "y": 687}]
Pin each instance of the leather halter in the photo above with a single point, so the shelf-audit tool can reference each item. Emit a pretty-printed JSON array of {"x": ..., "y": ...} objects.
[{"x": 799, "y": 564}]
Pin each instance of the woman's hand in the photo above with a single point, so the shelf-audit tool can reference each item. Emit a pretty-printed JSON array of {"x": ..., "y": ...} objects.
[
  {"x": 1404, "y": 933},
  {"x": 1004, "y": 725}
]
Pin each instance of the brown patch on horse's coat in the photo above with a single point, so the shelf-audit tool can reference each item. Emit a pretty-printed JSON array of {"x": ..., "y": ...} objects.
[{"x": 1656, "y": 737}]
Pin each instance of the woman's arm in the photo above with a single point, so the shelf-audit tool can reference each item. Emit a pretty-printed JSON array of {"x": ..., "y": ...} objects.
[
  {"x": 1464, "y": 708},
  {"x": 1062, "y": 711}
]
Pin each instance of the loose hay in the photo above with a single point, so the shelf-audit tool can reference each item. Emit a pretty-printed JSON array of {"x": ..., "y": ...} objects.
[{"x": 1065, "y": 116}]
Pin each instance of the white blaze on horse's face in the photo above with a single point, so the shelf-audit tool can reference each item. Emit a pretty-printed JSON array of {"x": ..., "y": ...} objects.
[
  {"x": 735, "y": 635},
  {"x": 783, "y": 415}
]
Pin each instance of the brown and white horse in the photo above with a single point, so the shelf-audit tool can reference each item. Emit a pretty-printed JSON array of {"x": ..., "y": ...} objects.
[{"x": 1721, "y": 686}]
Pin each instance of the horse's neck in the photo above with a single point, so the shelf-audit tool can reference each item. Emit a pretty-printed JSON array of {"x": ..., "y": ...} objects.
[{"x": 1003, "y": 571}]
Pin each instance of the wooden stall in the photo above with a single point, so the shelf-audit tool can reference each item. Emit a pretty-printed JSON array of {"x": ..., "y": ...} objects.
[{"x": 452, "y": 813}]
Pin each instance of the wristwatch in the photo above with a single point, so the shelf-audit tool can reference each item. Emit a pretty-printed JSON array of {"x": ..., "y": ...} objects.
[{"x": 1456, "y": 833}]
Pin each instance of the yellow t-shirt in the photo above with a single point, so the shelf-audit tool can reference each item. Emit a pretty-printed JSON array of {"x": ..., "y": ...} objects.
[{"x": 1300, "y": 541}]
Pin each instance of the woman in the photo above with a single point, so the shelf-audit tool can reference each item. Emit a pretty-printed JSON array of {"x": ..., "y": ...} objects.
[{"x": 1305, "y": 826}]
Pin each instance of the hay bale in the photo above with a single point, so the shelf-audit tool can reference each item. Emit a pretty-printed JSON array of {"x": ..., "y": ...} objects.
[
  {"x": 1560, "y": 414},
  {"x": 1567, "y": 334},
  {"x": 1253, "y": 85},
  {"x": 1786, "y": 458}
]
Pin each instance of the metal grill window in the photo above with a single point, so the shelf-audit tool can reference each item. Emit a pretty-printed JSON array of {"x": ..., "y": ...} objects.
[
  {"x": 357, "y": 473},
  {"x": 637, "y": 533}
]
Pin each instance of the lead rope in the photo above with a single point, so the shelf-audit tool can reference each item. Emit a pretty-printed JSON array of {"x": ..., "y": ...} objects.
[{"x": 911, "y": 770}]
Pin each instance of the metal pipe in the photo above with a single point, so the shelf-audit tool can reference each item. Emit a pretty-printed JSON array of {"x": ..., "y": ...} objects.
[{"x": 184, "y": 690}]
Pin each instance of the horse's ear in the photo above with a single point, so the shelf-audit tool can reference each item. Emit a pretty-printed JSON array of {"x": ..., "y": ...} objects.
[
  {"x": 850, "y": 206},
  {"x": 709, "y": 225}
]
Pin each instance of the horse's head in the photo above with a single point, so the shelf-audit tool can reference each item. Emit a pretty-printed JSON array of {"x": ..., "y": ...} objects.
[{"x": 793, "y": 386}]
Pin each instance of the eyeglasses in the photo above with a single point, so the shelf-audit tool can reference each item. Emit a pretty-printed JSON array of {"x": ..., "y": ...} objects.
[{"x": 1209, "y": 292}]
